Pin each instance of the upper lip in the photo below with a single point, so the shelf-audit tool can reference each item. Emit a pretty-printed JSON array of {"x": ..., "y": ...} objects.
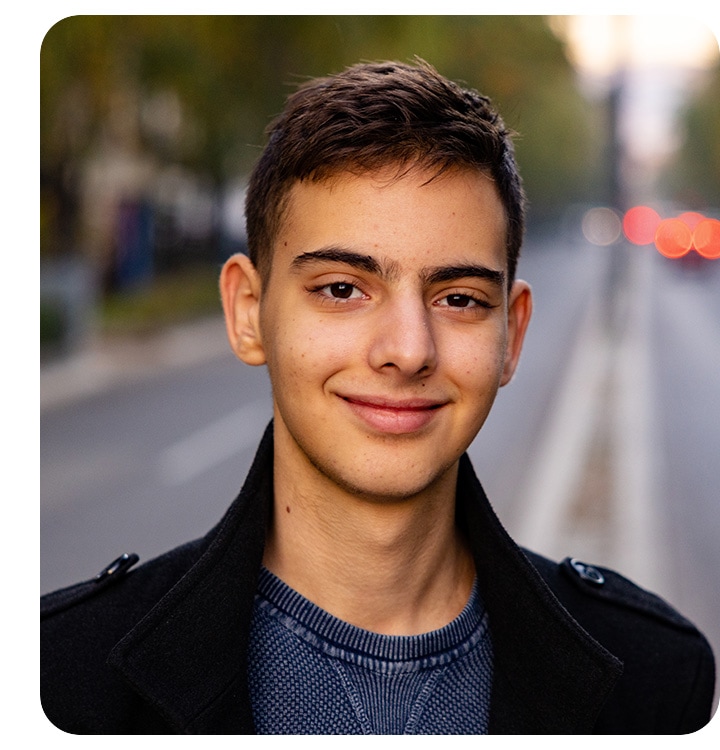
[{"x": 399, "y": 404}]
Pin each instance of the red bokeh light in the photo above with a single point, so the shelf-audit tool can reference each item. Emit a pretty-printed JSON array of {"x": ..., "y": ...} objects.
[
  {"x": 691, "y": 218},
  {"x": 640, "y": 225},
  {"x": 673, "y": 238},
  {"x": 706, "y": 238}
]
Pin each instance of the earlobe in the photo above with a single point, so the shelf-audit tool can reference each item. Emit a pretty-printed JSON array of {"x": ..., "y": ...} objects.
[
  {"x": 519, "y": 312},
  {"x": 240, "y": 290}
]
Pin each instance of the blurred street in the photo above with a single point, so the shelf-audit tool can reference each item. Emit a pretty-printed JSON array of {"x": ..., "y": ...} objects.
[{"x": 604, "y": 447}]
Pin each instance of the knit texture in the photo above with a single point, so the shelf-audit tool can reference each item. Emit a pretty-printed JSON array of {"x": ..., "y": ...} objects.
[{"x": 311, "y": 673}]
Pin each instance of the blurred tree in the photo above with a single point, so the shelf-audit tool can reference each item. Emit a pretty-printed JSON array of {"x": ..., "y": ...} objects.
[
  {"x": 126, "y": 98},
  {"x": 693, "y": 179}
]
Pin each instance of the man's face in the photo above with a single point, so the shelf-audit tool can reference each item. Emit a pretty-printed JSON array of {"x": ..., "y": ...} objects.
[{"x": 385, "y": 325}]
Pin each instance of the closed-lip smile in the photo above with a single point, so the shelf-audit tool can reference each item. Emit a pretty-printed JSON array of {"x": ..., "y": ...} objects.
[{"x": 395, "y": 416}]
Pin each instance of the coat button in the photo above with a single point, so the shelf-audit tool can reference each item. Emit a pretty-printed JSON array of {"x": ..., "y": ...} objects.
[
  {"x": 587, "y": 572},
  {"x": 117, "y": 567}
]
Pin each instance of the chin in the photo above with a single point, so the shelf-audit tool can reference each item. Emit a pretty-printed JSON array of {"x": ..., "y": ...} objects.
[{"x": 390, "y": 483}]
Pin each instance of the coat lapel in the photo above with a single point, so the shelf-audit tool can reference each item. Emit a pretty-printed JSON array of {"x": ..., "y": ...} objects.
[{"x": 188, "y": 656}]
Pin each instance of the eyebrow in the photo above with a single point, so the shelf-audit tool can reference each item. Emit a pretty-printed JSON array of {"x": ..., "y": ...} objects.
[
  {"x": 443, "y": 274},
  {"x": 369, "y": 264},
  {"x": 351, "y": 258}
]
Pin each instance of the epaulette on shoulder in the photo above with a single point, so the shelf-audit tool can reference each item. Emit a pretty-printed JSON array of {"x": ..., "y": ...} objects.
[
  {"x": 62, "y": 599},
  {"x": 607, "y": 585}
]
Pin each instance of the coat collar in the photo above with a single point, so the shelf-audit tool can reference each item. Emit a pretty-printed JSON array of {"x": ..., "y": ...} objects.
[{"x": 188, "y": 656}]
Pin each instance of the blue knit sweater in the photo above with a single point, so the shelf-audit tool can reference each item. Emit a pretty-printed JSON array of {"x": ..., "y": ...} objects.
[{"x": 311, "y": 673}]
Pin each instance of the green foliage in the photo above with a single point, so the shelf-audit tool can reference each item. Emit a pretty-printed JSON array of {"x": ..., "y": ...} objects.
[
  {"x": 693, "y": 179},
  {"x": 172, "y": 298},
  {"x": 230, "y": 75},
  {"x": 53, "y": 327}
]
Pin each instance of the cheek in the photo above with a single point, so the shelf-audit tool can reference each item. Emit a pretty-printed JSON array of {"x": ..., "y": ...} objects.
[
  {"x": 480, "y": 353},
  {"x": 308, "y": 351},
  {"x": 478, "y": 361}
]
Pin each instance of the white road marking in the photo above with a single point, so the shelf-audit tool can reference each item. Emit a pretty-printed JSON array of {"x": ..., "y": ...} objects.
[
  {"x": 211, "y": 445},
  {"x": 630, "y": 539},
  {"x": 559, "y": 461}
]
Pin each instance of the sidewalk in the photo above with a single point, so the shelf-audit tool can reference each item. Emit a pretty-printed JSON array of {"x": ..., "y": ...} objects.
[{"x": 105, "y": 363}]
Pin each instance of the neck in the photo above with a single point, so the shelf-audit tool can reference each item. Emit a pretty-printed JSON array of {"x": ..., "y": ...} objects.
[{"x": 393, "y": 566}]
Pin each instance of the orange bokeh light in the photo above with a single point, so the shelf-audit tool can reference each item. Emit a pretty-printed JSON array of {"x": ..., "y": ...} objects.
[
  {"x": 640, "y": 225},
  {"x": 706, "y": 238},
  {"x": 676, "y": 237},
  {"x": 673, "y": 238}
]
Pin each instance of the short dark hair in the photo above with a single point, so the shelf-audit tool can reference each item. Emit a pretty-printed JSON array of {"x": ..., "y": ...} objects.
[{"x": 370, "y": 116}]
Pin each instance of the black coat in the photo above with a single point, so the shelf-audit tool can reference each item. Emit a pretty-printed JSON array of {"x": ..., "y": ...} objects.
[{"x": 162, "y": 648}]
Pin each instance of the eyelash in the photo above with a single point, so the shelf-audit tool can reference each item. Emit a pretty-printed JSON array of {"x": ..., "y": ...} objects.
[
  {"x": 476, "y": 300},
  {"x": 319, "y": 291}
]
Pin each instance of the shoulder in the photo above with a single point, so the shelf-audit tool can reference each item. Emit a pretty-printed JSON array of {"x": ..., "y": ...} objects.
[
  {"x": 668, "y": 665},
  {"x": 82, "y": 623},
  {"x": 604, "y": 592},
  {"x": 119, "y": 581}
]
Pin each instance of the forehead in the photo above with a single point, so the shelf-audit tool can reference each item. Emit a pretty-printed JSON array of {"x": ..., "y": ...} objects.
[{"x": 418, "y": 212}]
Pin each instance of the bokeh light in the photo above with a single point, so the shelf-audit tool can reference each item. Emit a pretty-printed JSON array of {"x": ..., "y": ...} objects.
[
  {"x": 601, "y": 226},
  {"x": 673, "y": 238},
  {"x": 640, "y": 225},
  {"x": 691, "y": 218},
  {"x": 706, "y": 238}
]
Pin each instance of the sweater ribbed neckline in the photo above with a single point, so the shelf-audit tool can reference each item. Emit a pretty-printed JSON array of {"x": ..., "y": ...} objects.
[{"x": 386, "y": 653}]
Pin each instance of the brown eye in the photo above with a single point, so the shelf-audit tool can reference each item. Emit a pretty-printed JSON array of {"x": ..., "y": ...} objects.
[
  {"x": 341, "y": 290},
  {"x": 459, "y": 300}
]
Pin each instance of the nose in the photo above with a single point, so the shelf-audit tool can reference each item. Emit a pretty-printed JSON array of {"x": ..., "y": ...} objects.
[{"x": 403, "y": 339}]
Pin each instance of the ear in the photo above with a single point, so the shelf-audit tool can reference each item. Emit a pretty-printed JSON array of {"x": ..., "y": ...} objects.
[
  {"x": 240, "y": 290},
  {"x": 519, "y": 312}
]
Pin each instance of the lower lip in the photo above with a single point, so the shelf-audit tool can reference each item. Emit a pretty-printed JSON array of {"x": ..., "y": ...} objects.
[{"x": 393, "y": 421}]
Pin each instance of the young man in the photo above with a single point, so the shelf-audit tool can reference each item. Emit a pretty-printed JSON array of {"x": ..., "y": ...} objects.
[{"x": 360, "y": 583}]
